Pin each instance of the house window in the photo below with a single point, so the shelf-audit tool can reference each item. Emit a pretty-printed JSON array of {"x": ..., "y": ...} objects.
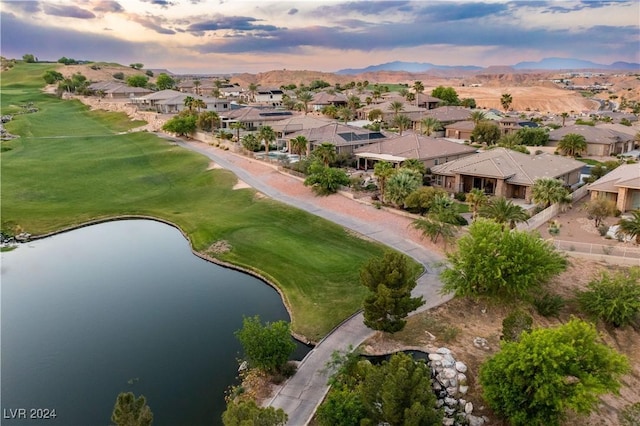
[
  {"x": 436, "y": 161},
  {"x": 438, "y": 180}
]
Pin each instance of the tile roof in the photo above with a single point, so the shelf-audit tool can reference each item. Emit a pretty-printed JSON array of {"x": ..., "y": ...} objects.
[
  {"x": 411, "y": 145},
  {"x": 449, "y": 113},
  {"x": 625, "y": 176},
  {"x": 592, "y": 134},
  {"x": 515, "y": 167},
  {"x": 338, "y": 134}
]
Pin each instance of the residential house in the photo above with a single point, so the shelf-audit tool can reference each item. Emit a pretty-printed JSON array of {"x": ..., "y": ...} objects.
[
  {"x": 503, "y": 172},
  {"x": 254, "y": 117},
  {"x": 509, "y": 125},
  {"x": 172, "y": 102},
  {"x": 413, "y": 112},
  {"x": 621, "y": 185},
  {"x": 345, "y": 138},
  {"x": 324, "y": 99},
  {"x": 427, "y": 101},
  {"x": 459, "y": 130},
  {"x": 117, "y": 90},
  {"x": 430, "y": 151},
  {"x": 272, "y": 97},
  {"x": 601, "y": 141}
]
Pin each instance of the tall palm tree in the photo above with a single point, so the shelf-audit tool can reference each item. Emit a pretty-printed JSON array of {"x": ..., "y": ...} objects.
[
  {"x": 631, "y": 226},
  {"x": 237, "y": 126},
  {"x": 383, "y": 170},
  {"x": 476, "y": 199},
  {"x": 564, "y": 116},
  {"x": 572, "y": 144},
  {"x": 547, "y": 191},
  {"x": 429, "y": 125},
  {"x": 477, "y": 116},
  {"x": 503, "y": 211},
  {"x": 326, "y": 153},
  {"x": 299, "y": 144},
  {"x": 253, "y": 90},
  {"x": 208, "y": 120},
  {"x": 506, "y": 100},
  {"x": 418, "y": 87},
  {"x": 216, "y": 93},
  {"x": 397, "y": 107},
  {"x": 267, "y": 134},
  {"x": 402, "y": 122},
  {"x": 305, "y": 97},
  {"x": 196, "y": 85}
]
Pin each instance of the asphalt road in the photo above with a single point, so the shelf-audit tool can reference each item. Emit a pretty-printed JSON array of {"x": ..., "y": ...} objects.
[{"x": 301, "y": 394}]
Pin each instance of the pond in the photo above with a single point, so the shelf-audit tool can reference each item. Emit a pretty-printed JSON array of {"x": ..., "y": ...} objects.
[{"x": 123, "y": 306}]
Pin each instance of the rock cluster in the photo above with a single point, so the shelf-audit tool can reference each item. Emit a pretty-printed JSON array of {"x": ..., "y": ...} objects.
[{"x": 450, "y": 386}]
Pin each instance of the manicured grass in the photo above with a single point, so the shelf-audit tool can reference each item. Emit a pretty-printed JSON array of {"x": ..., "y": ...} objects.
[
  {"x": 589, "y": 161},
  {"x": 70, "y": 166}
]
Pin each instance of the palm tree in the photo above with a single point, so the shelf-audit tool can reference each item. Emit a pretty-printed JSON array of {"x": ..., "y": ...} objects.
[
  {"x": 477, "y": 116},
  {"x": 196, "y": 85},
  {"x": 237, "y": 126},
  {"x": 304, "y": 97},
  {"x": 506, "y": 100},
  {"x": 266, "y": 134},
  {"x": 401, "y": 184},
  {"x": 189, "y": 102},
  {"x": 503, "y": 211},
  {"x": 216, "y": 93},
  {"x": 299, "y": 144},
  {"x": 402, "y": 122},
  {"x": 353, "y": 103},
  {"x": 383, "y": 170},
  {"x": 345, "y": 114},
  {"x": 418, "y": 87},
  {"x": 631, "y": 226},
  {"x": 199, "y": 103},
  {"x": 572, "y": 144},
  {"x": 396, "y": 107},
  {"x": 326, "y": 152},
  {"x": 253, "y": 90},
  {"x": 547, "y": 191},
  {"x": 429, "y": 125},
  {"x": 208, "y": 120},
  {"x": 564, "y": 116},
  {"x": 476, "y": 199}
]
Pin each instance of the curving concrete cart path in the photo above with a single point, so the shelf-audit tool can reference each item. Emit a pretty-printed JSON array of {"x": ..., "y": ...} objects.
[{"x": 301, "y": 394}]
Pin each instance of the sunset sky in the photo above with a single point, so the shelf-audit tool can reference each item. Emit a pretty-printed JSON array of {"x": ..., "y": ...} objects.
[{"x": 226, "y": 36}]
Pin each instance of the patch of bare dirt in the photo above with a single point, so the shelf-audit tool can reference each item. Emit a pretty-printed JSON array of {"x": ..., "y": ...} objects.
[{"x": 219, "y": 247}]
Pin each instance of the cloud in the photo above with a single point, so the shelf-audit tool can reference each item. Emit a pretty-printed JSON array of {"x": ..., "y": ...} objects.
[
  {"x": 292, "y": 11},
  {"x": 48, "y": 43},
  {"x": 108, "y": 6},
  {"x": 29, "y": 7},
  {"x": 165, "y": 4},
  {"x": 366, "y": 7},
  {"x": 67, "y": 11},
  {"x": 151, "y": 24},
  {"x": 235, "y": 23},
  {"x": 456, "y": 11}
]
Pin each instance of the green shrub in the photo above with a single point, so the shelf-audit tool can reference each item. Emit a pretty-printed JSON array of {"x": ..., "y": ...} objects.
[
  {"x": 603, "y": 229},
  {"x": 460, "y": 196},
  {"x": 515, "y": 324},
  {"x": 548, "y": 305},
  {"x": 118, "y": 75},
  {"x": 630, "y": 415},
  {"x": 613, "y": 298}
]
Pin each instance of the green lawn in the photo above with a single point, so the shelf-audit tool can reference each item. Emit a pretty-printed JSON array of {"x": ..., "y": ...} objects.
[{"x": 71, "y": 166}]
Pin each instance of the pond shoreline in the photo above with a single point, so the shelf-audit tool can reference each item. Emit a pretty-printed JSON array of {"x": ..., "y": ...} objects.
[{"x": 203, "y": 256}]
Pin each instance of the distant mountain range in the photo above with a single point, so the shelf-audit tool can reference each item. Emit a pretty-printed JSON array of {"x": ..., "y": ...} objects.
[{"x": 544, "y": 64}]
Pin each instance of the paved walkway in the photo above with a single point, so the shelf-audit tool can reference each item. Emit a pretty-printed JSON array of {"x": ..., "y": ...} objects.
[{"x": 302, "y": 393}]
